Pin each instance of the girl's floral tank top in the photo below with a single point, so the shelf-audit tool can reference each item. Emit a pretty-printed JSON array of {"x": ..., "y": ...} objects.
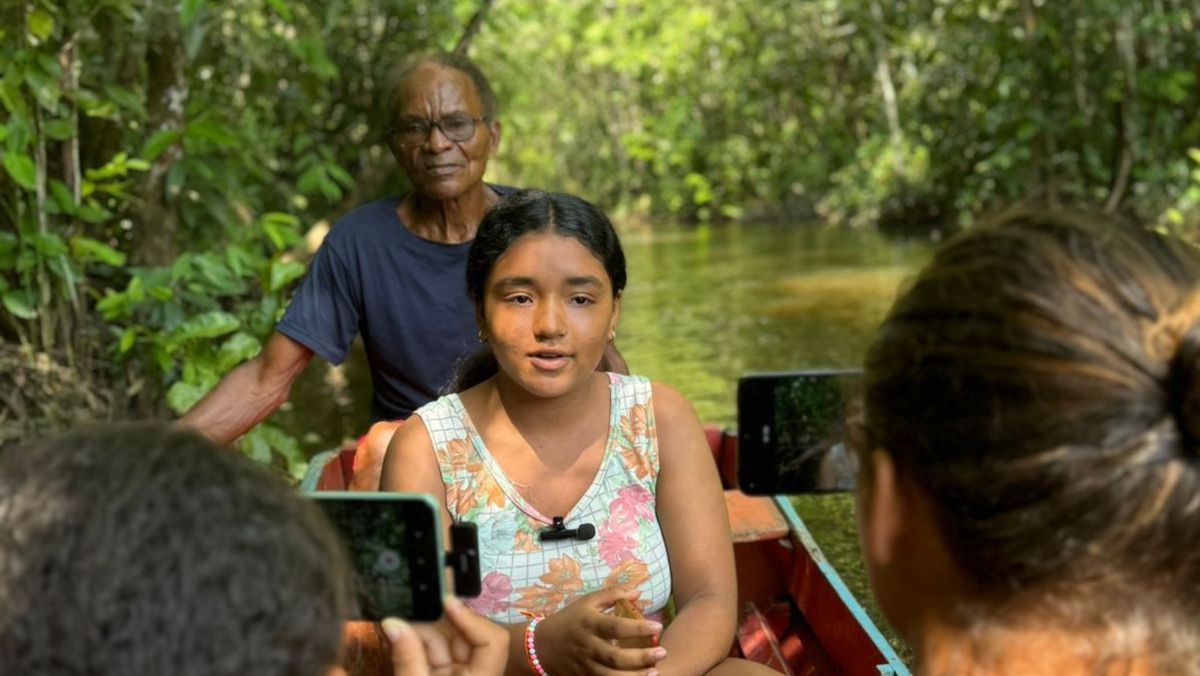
[{"x": 521, "y": 573}]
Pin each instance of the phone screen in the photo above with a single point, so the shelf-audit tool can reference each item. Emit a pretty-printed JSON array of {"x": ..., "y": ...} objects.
[
  {"x": 792, "y": 432},
  {"x": 394, "y": 544}
]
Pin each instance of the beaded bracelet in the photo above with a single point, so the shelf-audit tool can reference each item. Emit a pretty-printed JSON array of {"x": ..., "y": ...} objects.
[{"x": 535, "y": 665}]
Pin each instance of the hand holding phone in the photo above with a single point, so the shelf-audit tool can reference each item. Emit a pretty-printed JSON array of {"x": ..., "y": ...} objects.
[
  {"x": 395, "y": 546},
  {"x": 463, "y": 642}
]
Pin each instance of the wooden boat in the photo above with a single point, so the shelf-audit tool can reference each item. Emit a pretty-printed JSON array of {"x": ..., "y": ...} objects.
[{"x": 797, "y": 615}]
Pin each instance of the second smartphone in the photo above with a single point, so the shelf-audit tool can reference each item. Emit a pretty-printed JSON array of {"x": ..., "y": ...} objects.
[
  {"x": 792, "y": 432},
  {"x": 395, "y": 545}
]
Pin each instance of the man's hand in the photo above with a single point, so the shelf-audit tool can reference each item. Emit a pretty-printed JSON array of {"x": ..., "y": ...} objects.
[
  {"x": 462, "y": 644},
  {"x": 250, "y": 392}
]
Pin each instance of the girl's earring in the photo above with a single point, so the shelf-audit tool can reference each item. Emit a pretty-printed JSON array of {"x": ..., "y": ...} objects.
[
  {"x": 612, "y": 335},
  {"x": 481, "y": 335}
]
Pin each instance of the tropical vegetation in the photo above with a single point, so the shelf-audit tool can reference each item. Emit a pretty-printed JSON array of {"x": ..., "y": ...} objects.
[{"x": 164, "y": 161}]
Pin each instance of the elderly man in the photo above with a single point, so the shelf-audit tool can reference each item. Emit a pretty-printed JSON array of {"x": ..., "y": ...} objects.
[{"x": 393, "y": 270}]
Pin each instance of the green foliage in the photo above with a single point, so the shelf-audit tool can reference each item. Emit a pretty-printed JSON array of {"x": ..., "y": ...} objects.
[
  {"x": 192, "y": 321},
  {"x": 727, "y": 109},
  {"x": 161, "y": 162}
]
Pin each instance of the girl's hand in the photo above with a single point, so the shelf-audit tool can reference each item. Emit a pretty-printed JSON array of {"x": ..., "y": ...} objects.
[
  {"x": 581, "y": 638},
  {"x": 461, "y": 644}
]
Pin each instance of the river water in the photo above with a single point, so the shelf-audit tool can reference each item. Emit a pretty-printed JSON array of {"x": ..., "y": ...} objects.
[{"x": 704, "y": 306}]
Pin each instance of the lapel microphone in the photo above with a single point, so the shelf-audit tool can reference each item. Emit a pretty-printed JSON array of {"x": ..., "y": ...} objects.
[{"x": 559, "y": 531}]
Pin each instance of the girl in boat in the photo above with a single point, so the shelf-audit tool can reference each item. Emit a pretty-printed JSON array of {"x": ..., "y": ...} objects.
[
  {"x": 591, "y": 490},
  {"x": 1029, "y": 498}
]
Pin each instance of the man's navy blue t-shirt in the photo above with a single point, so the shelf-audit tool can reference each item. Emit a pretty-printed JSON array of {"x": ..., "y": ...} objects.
[{"x": 405, "y": 295}]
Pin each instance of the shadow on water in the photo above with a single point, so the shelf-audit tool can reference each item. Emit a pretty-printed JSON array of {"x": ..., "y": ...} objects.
[{"x": 704, "y": 306}]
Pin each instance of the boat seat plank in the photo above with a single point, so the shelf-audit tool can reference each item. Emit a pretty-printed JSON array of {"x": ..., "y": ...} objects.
[{"x": 754, "y": 517}]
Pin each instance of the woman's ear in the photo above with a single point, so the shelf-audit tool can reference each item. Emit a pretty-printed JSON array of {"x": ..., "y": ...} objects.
[
  {"x": 883, "y": 510},
  {"x": 908, "y": 562}
]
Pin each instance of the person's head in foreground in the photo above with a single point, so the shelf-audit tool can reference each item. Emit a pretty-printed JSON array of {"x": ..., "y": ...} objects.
[
  {"x": 1030, "y": 496},
  {"x": 138, "y": 549}
]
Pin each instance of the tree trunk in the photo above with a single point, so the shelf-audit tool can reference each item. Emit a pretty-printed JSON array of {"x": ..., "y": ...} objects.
[
  {"x": 1079, "y": 71},
  {"x": 45, "y": 312},
  {"x": 887, "y": 88},
  {"x": 1127, "y": 138},
  {"x": 1045, "y": 147},
  {"x": 1196, "y": 21},
  {"x": 472, "y": 29},
  {"x": 167, "y": 92}
]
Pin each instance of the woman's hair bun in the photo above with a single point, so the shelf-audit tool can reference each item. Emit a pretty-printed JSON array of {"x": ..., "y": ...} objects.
[{"x": 1184, "y": 390}]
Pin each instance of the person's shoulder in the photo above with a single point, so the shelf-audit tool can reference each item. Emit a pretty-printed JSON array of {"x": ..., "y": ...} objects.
[
  {"x": 413, "y": 433},
  {"x": 436, "y": 407},
  {"x": 669, "y": 402},
  {"x": 365, "y": 219}
]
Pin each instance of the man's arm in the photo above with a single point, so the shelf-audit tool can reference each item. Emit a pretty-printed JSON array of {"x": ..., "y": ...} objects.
[{"x": 250, "y": 392}]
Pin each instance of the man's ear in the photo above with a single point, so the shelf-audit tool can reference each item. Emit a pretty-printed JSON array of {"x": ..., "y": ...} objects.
[
  {"x": 886, "y": 510},
  {"x": 494, "y": 144}
]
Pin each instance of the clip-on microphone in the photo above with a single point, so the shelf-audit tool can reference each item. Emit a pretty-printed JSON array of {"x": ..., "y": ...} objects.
[{"x": 559, "y": 531}]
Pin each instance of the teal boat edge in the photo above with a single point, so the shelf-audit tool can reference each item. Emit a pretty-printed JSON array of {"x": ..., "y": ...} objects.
[
  {"x": 894, "y": 666},
  {"x": 315, "y": 465}
]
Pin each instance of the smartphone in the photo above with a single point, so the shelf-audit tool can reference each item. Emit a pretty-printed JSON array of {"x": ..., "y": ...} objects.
[
  {"x": 792, "y": 432},
  {"x": 395, "y": 545}
]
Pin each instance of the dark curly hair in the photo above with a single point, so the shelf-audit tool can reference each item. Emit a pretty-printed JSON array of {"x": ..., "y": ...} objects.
[
  {"x": 1040, "y": 380},
  {"x": 140, "y": 549}
]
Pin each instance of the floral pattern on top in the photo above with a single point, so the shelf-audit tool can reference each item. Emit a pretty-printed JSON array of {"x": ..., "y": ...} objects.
[{"x": 522, "y": 573}]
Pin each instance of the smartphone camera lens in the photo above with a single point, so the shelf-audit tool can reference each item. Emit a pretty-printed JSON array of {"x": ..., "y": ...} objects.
[{"x": 388, "y": 561}]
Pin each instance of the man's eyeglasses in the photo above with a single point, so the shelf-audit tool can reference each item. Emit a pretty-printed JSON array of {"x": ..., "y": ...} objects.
[{"x": 457, "y": 127}]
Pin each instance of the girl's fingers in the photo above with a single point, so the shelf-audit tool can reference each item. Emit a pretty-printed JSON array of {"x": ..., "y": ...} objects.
[
  {"x": 610, "y": 627},
  {"x": 602, "y": 670},
  {"x": 605, "y": 654},
  {"x": 607, "y": 597}
]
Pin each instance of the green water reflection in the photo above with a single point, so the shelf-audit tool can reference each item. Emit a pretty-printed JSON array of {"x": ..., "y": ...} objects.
[{"x": 705, "y": 306}]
